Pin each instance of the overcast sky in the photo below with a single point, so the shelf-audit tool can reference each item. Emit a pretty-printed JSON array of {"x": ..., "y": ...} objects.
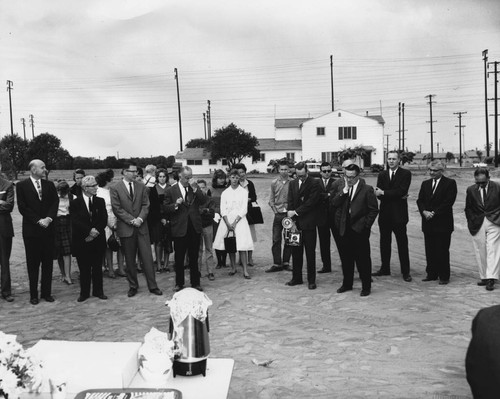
[{"x": 99, "y": 74}]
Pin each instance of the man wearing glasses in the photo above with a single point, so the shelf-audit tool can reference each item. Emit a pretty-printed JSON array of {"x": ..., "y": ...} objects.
[
  {"x": 435, "y": 203},
  {"x": 482, "y": 210},
  {"x": 325, "y": 225},
  {"x": 130, "y": 202}
]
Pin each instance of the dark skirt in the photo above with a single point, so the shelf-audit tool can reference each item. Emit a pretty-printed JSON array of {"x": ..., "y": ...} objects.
[
  {"x": 62, "y": 236},
  {"x": 154, "y": 227}
]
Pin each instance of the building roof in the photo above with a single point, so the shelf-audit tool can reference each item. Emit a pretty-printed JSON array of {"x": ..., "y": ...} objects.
[
  {"x": 290, "y": 122},
  {"x": 378, "y": 118},
  {"x": 193, "y": 153},
  {"x": 279, "y": 145}
]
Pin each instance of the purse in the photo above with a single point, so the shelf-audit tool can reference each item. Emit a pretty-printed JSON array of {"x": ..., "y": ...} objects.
[
  {"x": 113, "y": 243},
  {"x": 254, "y": 214},
  {"x": 230, "y": 242}
]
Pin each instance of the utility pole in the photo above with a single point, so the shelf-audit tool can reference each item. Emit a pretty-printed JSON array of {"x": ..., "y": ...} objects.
[
  {"x": 403, "y": 126},
  {"x": 23, "y": 121},
  {"x": 205, "y": 124},
  {"x": 431, "y": 121},
  {"x": 496, "y": 109},
  {"x": 437, "y": 144},
  {"x": 399, "y": 128},
  {"x": 485, "y": 59},
  {"x": 459, "y": 135},
  {"x": 386, "y": 147},
  {"x": 178, "y": 107},
  {"x": 209, "y": 120},
  {"x": 9, "y": 89},
  {"x": 331, "y": 82},
  {"x": 32, "y": 123}
]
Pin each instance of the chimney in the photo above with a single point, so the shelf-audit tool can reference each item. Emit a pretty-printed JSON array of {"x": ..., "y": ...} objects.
[{"x": 366, "y": 113}]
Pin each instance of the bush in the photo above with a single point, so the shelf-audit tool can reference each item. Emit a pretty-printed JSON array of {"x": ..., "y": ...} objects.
[{"x": 376, "y": 168}]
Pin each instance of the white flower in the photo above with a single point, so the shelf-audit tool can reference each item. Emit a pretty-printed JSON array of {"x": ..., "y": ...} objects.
[{"x": 8, "y": 381}]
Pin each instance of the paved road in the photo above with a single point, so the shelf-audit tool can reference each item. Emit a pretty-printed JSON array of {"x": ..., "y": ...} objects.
[{"x": 406, "y": 340}]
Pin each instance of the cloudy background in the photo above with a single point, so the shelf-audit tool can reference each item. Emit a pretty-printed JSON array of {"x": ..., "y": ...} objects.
[{"x": 100, "y": 74}]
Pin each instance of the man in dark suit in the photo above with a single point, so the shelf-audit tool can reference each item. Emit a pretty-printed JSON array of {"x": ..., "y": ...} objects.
[
  {"x": 435, "y": 203},
  {"x": 303, "y": 207},
  {"x": 6, "y": 234},
  {"x": 76, "y": 189},
  {"x": 392, "y": 191},
  {"x": 482, "y": 210},
  {"x": 356, "y": 210},
  {"x": 130, "y": 202},
  {"x": 324, "y": 224},
  {"x": 182, "y": 204},
  {"x": 37, "y": 201},
  {"x": 88, "y": 220},
  {"x": 482, "y": 363}
]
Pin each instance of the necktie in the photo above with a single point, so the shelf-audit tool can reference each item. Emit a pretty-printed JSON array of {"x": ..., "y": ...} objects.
[
  {"x": 392, "y": 175},
  {"x": 482, "y": 192},
  {"x": 39, "y": 189},
  {"x": 434, "y": 184},
  {"x": 131, "y": 190},
  {"x": 189, "y": 195},
  {"x": 300, "y": 183},
  {"x": 90, "y": 207}
]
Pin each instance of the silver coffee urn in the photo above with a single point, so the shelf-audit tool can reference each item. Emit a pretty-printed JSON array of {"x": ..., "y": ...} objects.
[{"x": 189, "y": 327}]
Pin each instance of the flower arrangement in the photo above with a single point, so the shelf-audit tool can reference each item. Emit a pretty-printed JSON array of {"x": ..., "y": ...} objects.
[
  {"x": 18, "y": 370},
  {"x": 157, "y": 354}
]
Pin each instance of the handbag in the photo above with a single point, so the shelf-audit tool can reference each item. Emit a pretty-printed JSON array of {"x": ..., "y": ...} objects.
[
  {"x": 230, "y": 242},
  {"x": 254, "y": 214},
  {"x": 113, "y": 243}
]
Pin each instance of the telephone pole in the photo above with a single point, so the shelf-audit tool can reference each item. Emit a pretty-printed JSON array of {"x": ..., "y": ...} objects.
[
  {"x": 431, "y": 121},
  {"x": 386, "y": 147},
  {"x": 485, "y": 59},
  {"x": 23, "y": 121},
  {"x": 32, "y": 123},
  {"x": 403, "y": 126},
  {"x": 399, "y": 128},
  {"x": 205, "y": 124},
  {"x": 495, "y": 63},
  {"x": 9, "y": 89},
  {"x": 459, "y": 134},
  {"x": 331, "y": 82},
  {"x": 178, "y": 107},
  {"x": 209, "y": 121}
]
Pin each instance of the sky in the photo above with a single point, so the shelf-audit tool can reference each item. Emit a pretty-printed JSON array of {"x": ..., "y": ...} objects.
[{"x": 99, "y": 74}]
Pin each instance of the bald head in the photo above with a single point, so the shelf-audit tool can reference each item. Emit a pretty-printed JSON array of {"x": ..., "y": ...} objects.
[{"x": 37, "y": 169}]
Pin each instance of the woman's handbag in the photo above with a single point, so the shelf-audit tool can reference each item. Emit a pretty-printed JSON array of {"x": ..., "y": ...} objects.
[
  {"x": 113, "y": 243},
  {"x": 230, "y": 242},
  {"x": 254, "y": 214}
]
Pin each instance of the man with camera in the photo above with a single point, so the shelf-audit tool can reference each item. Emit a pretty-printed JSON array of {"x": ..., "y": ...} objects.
[{"x": 303, "y": 207}]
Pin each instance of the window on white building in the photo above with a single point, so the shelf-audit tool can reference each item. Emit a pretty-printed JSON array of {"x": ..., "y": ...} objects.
[
  {"x": 212, "y": 162},
  {"x": 262, "y": 157},
  {"x": 194, "y": 162},
  {"x": 320, "y": 131},
  {"x": 348, "y": 133},
  {"x": 290, "y": 156},
  {"x": 327, "y": 156}
]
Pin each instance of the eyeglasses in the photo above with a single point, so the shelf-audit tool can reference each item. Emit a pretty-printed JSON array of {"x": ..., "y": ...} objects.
[
  {"x": 435, "y": 170},
  {"x": 131, "y": 171},
  {"x": 326, "y": 171},
  {"x": 91, "y": 185}
]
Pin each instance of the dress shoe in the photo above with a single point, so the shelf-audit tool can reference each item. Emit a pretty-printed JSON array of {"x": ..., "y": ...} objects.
[
  {"x": 131, "y": 292},
  {"x": 312, "y": 286},
  {"x": 178, "y": 288},
  {"x": 156, "y": 291},
  {"x": 482, "y": 283},
  {"x": 428, "y": 278},
  {"x": 34, "y": 301},
  {"x": 211, "y": 276},
  {"x": 291, "y": 283},
  {"x": 325, "y": 270},
  {"x": 287, "y": 267},
  {"x": 274, "y": 268},
  {"x": 8, "y": 298},
  {"x": 407, "y": 278},
  {"x": 101, "y": 296},
  {"x": 490, "y": 286},
  {"x": 82, "y": 298},
  {"x": 381, "y": 272},
  {"x": 49, "y": 298},
  {"x": 343, "y": 289},
  {"x": 197, "y": 287},
  {"x": 443, "y": 282},
  {"x": 364, "y": 293}
]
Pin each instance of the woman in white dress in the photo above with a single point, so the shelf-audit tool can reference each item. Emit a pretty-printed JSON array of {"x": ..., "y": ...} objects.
[{"x": 233, "y": 209}]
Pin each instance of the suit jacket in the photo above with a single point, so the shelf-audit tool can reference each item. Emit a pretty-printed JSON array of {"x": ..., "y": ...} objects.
[
  {"x": 33, "y": 209},
  {"x": 127, "y": 209},
  {"x": 441, "y": 203},
  {"x": 475, "y": 211},
  {"x": 306, "y": 202},
  {"x": 6, "y": 194},
  {"x": 393, "y": 205},
  {"x": 82, "y": 223},
  {"x": 179, "y": 217},
  {"x": 363, "y": 208},
  {"x": 325, "y": 200}
]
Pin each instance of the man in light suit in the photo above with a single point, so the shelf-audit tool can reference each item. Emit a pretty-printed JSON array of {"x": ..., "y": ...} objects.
[
  {"x": 38, "y": 201},
  {"x": 324, "y": 224},
  {"x": 182, "y": 204},
  {"x": 6, "y": 234},
  {"x": 482, "y": 210},
  {"x": 435, "y": 203},
  {"x": 356, "y": 210},
  {"x": 130, "y": 203},
  {"x": 392, "y": 191},
  {"x": 88, "y": 220},
  {"x": 303, "y": 207}
]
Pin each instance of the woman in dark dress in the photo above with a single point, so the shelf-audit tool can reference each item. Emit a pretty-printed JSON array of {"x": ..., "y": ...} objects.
[
  {"x": 219, "y": 184},
  {"x": 164, "y": 246}
]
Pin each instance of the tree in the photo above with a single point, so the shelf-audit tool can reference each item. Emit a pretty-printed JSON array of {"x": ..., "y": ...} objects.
[
  {"x": 198, "y": 143},
  {"x": 233, "y": 144},
  {"x": 274, "y": 164},
  {"x": 406, "y": 156},
  {"x": 14, "y": 157},
  {"x": 170, "y": 161},
  {"x": 352, "y": 153},
  {"x": 47, "y": 148},
  {"x": 449, "y": 156}
]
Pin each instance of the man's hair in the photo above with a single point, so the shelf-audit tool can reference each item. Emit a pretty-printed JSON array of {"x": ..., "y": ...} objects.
[
  {"x": 78, "y": 172},
  {"x": 283, "y": 163},
  {"x": 436, "y": 163},
  {"x": 394, "y": 152},
  {"x": 201, "y": 181},
  {"x": 300, "y": 166},
  {"x": 128, "y": 164},
  {"x": 101, "y": 179},
  {"x": 87, "y": 179},
  {"x": 240, "y": 166},
  {"x": 233, "y": 172},
  {"x": 150, "y": 169},
  {"x": 482, "y": 171},
  {"x": 62, "y": 187},
  {"x": 185, "y": 169},
  {"x": 353, "y": 166},
  {"x": 323, "y": 164}
]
